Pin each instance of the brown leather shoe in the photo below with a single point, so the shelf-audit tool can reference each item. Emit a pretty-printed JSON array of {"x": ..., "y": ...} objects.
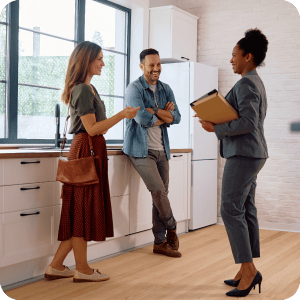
[
  {"x": 172, "y": 239},
  {"x": 166, "y": 249}
]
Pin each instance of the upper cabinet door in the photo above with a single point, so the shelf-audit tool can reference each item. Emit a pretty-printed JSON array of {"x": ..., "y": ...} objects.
[{"x": 173, "y": 33}]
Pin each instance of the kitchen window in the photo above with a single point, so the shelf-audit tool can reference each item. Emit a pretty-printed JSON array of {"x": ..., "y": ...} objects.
[{"x": 40, "y": 39}]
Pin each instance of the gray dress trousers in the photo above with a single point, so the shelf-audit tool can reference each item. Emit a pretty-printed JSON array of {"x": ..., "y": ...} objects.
[{"x": 243, "y": 144}]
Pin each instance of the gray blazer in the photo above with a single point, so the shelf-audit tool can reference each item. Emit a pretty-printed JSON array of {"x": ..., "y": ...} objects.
[{"x": 245, "y": 136}]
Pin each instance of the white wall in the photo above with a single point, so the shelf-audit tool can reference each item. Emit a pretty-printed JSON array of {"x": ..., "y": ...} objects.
[
  {"x": 139, "y": 32},
  {"x": 221, "y": 24}
]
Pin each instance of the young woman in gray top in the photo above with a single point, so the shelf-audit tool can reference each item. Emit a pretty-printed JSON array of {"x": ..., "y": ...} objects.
[
  {"x": 243, "y": 143},
  {"x": 86, "y": 210}
]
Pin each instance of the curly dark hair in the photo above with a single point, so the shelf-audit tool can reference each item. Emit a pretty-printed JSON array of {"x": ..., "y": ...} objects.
[
  {"x": 256, "y": 43},
  {"x": 146, "y": 52}
]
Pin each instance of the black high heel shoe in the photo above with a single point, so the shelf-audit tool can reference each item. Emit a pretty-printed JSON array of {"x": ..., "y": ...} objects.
[
  {"x": 232, "y": 282},
  {"x": 243, "y": 293}
]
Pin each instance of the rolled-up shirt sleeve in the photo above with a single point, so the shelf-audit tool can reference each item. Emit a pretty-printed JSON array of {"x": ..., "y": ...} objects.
[
  {"x": 175, "y": 113},
  {"x": 248, "y": 103},
  {"x": 134, "y": 98}
]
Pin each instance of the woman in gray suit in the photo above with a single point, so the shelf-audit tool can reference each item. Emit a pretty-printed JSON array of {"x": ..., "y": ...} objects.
[{"x": 243, "y": 144}]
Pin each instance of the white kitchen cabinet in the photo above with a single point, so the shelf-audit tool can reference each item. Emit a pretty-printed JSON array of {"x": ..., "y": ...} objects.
[
  {"x": 140, "y": 204},
  {"x": 1, "y": 172},
  {"x": 173, "y": 33},
  {"x": 120, "y": 211},
  {"x": 178, "y": 186},
  {"x": 28, "y": 170},
  {"x": 56, "y": 220},
  {"x": 141, "y": 200},
  {"x": 118, "y": 175},
  {"x": 1, "y": 199},
  {"x": 27, "y": 234},
  {"x": 27, "y": 197},
  {"x": 1, "y": 240}
]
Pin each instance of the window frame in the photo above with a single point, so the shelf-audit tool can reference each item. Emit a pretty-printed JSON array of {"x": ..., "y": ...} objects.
[{"x": 12, "y": 64}]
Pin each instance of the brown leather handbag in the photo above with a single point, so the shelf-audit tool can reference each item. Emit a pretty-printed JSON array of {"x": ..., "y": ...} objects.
[{"x": 81, "y": 171}]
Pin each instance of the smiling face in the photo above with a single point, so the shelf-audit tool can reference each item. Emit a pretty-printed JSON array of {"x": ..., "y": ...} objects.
[
  {"x": 238, "y": 60},
  {"x": 241, "y": 63},
  {"x": 151, "y": 67},
  {"x": 96, "y": 66}
]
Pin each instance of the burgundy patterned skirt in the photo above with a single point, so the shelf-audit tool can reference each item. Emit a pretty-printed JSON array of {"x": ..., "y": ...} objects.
[{"x": 86, "y": 210}]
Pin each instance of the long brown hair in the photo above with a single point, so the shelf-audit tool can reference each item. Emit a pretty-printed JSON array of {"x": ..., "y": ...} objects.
[{"x": 81, "y": 58}]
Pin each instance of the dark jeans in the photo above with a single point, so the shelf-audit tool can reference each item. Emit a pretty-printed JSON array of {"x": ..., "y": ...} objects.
[
  {"x": 154, "y": 170},
  {"x": 238, "y": 209}
]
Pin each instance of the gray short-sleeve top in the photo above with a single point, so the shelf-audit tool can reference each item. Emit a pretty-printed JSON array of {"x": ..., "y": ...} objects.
[{"x": 84, "y": 102}]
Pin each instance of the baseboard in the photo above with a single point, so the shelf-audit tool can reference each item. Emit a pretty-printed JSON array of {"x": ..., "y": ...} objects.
[{"x": 272, "y": 226}]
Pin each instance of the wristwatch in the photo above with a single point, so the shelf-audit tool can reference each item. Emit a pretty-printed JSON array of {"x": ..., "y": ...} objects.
[{"x": 155, "y": 110}]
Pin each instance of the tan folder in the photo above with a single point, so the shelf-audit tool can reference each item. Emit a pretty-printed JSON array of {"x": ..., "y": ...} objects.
[{"x": 214, "y": 108}]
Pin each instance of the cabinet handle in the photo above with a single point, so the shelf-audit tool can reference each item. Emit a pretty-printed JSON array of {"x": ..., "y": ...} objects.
[
  {"x": 185, "y": 58},
  {"x": 24, "y": 215},
  {"x": 30, "y": 162},
  {"x": 177, "y": 155},
  {"x": 35, "y": 188}
]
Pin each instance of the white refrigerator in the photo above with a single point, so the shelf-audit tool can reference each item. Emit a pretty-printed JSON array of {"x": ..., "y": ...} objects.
[{"x": 189, "y": 81}]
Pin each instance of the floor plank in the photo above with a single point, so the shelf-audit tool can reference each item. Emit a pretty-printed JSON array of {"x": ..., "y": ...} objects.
[{"x": 206, "y": 261}]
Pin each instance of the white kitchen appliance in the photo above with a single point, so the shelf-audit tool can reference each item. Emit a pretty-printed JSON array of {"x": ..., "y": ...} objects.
[{"x": 189, "y": 81}]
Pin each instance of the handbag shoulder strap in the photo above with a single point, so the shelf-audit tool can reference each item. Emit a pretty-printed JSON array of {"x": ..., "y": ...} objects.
[
  {"x": 91, "y": 145},
  {"x": 64, "y": 139}
]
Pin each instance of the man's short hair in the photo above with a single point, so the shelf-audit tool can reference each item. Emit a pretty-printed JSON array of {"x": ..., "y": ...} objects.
[{"x": 146, "y": 52}]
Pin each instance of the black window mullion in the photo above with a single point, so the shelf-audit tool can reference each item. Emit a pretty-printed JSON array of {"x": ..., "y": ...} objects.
[
  {"x": 128, "y": 26},
  {"x": 80, "y": 20},
  {"x": 13, "y": 46},
  {"x": 127, "y": 68}
]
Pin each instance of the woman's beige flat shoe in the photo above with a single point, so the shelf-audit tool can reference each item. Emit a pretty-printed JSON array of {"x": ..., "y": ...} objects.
[
  {"x": 97, "y": 276},
  {"x": 52, "y": 273}
]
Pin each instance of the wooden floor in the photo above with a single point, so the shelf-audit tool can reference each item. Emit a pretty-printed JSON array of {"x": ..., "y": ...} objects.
[{"x": 206, "y": 261}]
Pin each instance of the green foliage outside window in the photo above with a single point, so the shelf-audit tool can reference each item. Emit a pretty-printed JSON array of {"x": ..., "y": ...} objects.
[{"x": 51, "y": 71}]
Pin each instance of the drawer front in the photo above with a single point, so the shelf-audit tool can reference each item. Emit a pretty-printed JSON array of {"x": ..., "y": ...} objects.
[
  {"x": 28, "y": 170},
  {"x": 28, "y": 196},
  {"x": 1, "y": 172},
  {"x": 27, "y": 237}
]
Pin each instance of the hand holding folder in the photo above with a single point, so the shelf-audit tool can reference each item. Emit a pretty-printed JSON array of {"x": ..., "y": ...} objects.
[{"x": 214, "y": 108}]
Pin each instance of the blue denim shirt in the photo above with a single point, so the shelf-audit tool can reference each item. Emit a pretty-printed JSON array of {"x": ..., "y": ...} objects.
[{"x": 138, "y": 93}]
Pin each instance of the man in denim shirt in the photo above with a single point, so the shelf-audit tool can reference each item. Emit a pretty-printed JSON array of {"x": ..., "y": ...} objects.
[{"x": 147, "y": 145}]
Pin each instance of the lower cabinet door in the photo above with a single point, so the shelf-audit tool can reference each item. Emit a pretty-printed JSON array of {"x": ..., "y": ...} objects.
[
  {"x": 120, "y": 212},
  {"x": 1, "y": 240},
  {"x": 178, "y": 186},
  {"x": 140, "y": 204},
  {"x": 27, "y": 235},
  {"x": 118, "y": 176},
  {"x": 57, "y": 213}
]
